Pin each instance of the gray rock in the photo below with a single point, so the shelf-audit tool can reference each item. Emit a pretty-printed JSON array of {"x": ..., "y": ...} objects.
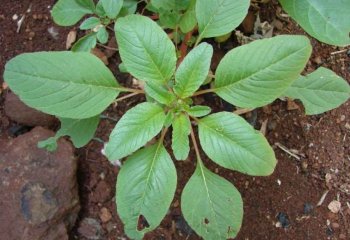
[
  {"x": 91, "y": 229},
  {"x": 38, "y": 190},
  {"x": 17, "y": 111}
]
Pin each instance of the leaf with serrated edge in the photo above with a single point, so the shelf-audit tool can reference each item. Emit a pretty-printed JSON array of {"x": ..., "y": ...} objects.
[
  {"x": 137, "y": 126},
  {"x": 145, "y": 49},
  {"x": 256, "y": 74},
  {"x": 233, "y": 143},
  {"x": 145, "y": 187},
  {"x": 328, "y": 21},
  {"x": 112, "y": 7},
  {"x": 320, "y": 91},
  {"x": 180, "y": 141},
  {"x": 50, "y": 82},
  {"x": 211, "y": 205},
  {"x": 216, "y": 18},
  {"x": 193, "y": 71},
  {"x": 68, "y": 12}
]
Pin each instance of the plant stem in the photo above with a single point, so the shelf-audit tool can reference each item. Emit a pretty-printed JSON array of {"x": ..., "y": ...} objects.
[
  {"x": 126, "y": 97},
  {"x": 184, "y": 46},
  {"x": 133, "y": 90},
  {"x": 195, "y": 145},
  {"x": 106, "y": 47},
  {"x": 210, "y": 90},
  {"x": 162, "y": 135}
]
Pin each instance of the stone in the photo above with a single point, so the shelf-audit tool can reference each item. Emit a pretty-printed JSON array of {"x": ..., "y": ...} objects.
[
  {"x": 38, "y": 189},
  {"x": 17, "y": 111},
  {"x": 105, "y": 215},
  {"x": 91, "y": 229}
]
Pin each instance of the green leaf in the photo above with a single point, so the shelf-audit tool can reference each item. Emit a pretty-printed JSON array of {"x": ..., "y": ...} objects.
[
  {"x": 320, "y": 91},
  {"x": 90, "y": 23},
  {"x": 169, "y": 119},
  {"x": 193, "y": 71},
  {"x": 112, "y": 7},
  {"x": 188, "y": 20},
  {"x": 81, "y": 131},
  {"x": 211, "y": 205},
  {"x": 65, "y": 84},
  {"x": 328, "y": 20},
  {"x": 145, "y": 187},
  {"x": 86, "y": 43},
  {"x": 129, "y": 7},
  {"x": 102, "y": 35},
  {"x": 137, "y": 126},
  {"x": 159, "y": 93},
  {"x": 169, "y": 19},
  {"x": 171, "y": 5},
  {"x": 216, "y": 18},
  {"x": 180, "y": 141},
  {"x": 100, "y": 10},
  {"x": 233, "y": 143},
  {"x": 145, "y": 49},
  {"x": 256, "y": 74},
  {"x": 69, "y": 12},
  {"x": 198, "y": 111},
  {"x": 89, "y": 4}
]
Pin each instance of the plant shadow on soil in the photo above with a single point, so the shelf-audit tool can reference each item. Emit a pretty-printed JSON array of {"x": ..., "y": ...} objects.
[{"x": 289, "y": 195}]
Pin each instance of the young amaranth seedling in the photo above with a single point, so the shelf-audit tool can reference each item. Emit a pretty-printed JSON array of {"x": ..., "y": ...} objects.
[{"x": 77, "y": 87}]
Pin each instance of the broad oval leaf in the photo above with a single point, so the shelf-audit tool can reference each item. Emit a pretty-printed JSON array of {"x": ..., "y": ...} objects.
[
  {"x": 81, "y": 131},
  {"x": 102, "y": 35},
  {"x": 90, "y": 23},
  {"x": 193, "y": 71},
  {"x": 216, "y": 18},
  {"x": 320, "y": 91},
  {"x": 232, "y": 143},
  {"x": 86, "y": 43},
  {"x": 112, "y": 7},
  {"x": 328, "y": 20},
  {"x": 145, "y": 49},
  {"x": 69, "y": 12},
  {"x": 137, "y": 126},
  {"x": 211, "y": 205},
  {"x": 180, "y": 142},
  {"x": 145, "y": 188},
  {"x": 65, "y": 84},
  {"x": 256, "y": 74}
]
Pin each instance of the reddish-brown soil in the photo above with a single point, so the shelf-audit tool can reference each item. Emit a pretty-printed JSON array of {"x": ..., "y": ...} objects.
[{"x": 321, "y": 142}]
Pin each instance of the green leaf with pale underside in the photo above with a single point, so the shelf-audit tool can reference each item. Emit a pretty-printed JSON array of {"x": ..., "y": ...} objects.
[
  {"x": 50, "y": 82},
  {"x": 256, "y": 74},
  {"x": 216, "y": 18},
  {"x": 211, "y": 205},
  {"x": 137, "y": 126},
  {"x": 193, "y": 71},
  {"x": 320, "y": 91},
  {"x": 326, "y": 20},
  {"x": 145, "y": 188},
  {"x": 81, "y": 131},
  {"x": 180, "y": 141},
  {"x": 69, "y": 12},
  {"x": 145, "y": 49},
  {"x": 233, "y": 143}
]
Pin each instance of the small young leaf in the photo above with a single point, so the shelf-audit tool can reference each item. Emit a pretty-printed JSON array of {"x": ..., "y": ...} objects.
[
  {"x": 188, "y": 20},
  {"x": 328, "y": 21},
  {"x": 256, "y": 74},
  {"x": 50, "y": 82},
  {"x": 233, "y": 143},
  {"x": 102, "y": 35},
  {"x": 112, "y": 7},
  {"x": 69, "y": 12},
  {"x": 90, "y": 23},
  {"x": 159, "y": 93},
  {"x": 320, "y": 91},
  {"x": 171, "y": 5},
  {"x": 198, "y": 111},
  {"x": 193, "y": 71},
  {"x": 216, "y": 18},
  {"x": 211, "y": 205},
  {"x": 81, "y": 131},
  {"x": 137, "y": 126},
  {"x": 86, "y": 43},
  {"x": 169, "y": 19},
  {"x": 129, "y": 7},
  {"x": 145, "y": 49},
  {"x": 180, "y": 141},
  {"x": 169, "y": 119},
  {"x": 145, "y": 188}
]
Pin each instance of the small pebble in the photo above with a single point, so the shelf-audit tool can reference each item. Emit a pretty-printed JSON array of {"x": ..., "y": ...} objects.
[
  {"x": 335, "y": 225},
  {"x": 14, "y": 17},
  {"x": 105, "y": 215},
  {"x": 283, "y": 219}
]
